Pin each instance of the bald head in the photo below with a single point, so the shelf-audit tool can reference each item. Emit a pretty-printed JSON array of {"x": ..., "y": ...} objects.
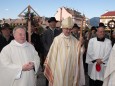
[{"x": 100, "y": 32}]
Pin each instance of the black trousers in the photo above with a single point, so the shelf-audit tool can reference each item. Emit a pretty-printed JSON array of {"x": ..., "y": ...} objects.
[
  {"x": 95, "y": 82},
  {"x": 47, "y": 82}
]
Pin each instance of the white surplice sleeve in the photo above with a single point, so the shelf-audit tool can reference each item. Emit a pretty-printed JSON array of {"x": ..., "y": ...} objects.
[
  {"x": 107, "y": 53},
  {"x": 90, "y": 52},
  {"x": 36, "y": 61}
]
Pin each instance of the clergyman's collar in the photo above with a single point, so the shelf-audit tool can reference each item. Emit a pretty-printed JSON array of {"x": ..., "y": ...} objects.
[{"x": 101, "y": 39}]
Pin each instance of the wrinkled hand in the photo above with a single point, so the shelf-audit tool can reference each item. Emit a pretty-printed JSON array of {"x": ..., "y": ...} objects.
[
  {"x": 99, "y": 61},
  {"x": 27, "y": 67}
]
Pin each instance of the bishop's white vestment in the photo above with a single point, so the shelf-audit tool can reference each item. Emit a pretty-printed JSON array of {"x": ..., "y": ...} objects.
[
  {"x": 61, "y": 66},
  {"x": 12, "y": 58}
]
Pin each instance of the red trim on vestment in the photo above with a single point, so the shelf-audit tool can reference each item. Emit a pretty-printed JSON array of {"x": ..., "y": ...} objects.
[{"x": 48, "y": 74}]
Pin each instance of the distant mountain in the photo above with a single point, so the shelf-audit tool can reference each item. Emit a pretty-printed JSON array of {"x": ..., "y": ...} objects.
[{"x": 94, "y": 21}]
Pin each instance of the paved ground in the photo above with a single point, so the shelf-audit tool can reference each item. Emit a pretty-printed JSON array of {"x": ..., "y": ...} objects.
[{"x": 41, "y": 79}]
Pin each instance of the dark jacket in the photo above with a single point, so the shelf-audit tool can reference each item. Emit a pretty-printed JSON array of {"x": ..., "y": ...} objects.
[
  {"x": 48, "y": 37},
  {"x": 4, "y": 42},
  {"x": 37, "y": 43}
]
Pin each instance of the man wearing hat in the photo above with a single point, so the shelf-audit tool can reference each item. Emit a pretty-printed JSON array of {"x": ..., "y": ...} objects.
[
  {"x": 49, "y": 35},
  {"x": 76, "y": 31},
  {"x": 97, "y": 56},
  {"x": 93, "y": 31},
  {"x": 5, "y": 37},
  {"x": 102, "y": 25},
  {"x": 61, "y": 64}
]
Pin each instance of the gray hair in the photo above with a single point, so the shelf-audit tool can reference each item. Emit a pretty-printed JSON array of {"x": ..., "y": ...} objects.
[{"x": 19, "y": 27}]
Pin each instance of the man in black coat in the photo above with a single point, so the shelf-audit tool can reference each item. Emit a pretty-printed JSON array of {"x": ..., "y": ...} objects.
[
  {"x": 36, "y": 40},
  {"x": 5, "y": 37},
  {"x": 48, "y": 36},
  {"x": 76, "y": 31}
]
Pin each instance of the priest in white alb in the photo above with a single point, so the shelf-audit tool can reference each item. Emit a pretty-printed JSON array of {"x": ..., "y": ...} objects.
[
  {"x": 109, "y": 76},
  {"x": 62, "y": 64},
  {"x": 19, "y": 61},
  {"x": 98, "y": 52}
]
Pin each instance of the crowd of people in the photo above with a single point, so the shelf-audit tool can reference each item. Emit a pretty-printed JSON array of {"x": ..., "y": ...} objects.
[{"x": 65, "y": 54}]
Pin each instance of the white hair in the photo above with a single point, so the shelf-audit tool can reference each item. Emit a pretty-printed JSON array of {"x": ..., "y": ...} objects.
[{"x": 19, "y": 27}]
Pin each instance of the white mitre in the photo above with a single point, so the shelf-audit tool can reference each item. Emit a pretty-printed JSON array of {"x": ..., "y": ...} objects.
[{"x": 67, "y": 23}]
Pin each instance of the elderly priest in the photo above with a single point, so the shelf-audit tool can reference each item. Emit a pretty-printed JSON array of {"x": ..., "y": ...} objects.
[{"x": 19, "y": 61}]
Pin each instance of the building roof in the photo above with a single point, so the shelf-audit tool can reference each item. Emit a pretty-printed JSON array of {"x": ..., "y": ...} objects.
[
  {"x": 73, "y": 12},
  {"x": 13, "y": 21},
  {"x": 109, "y": 13}
]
